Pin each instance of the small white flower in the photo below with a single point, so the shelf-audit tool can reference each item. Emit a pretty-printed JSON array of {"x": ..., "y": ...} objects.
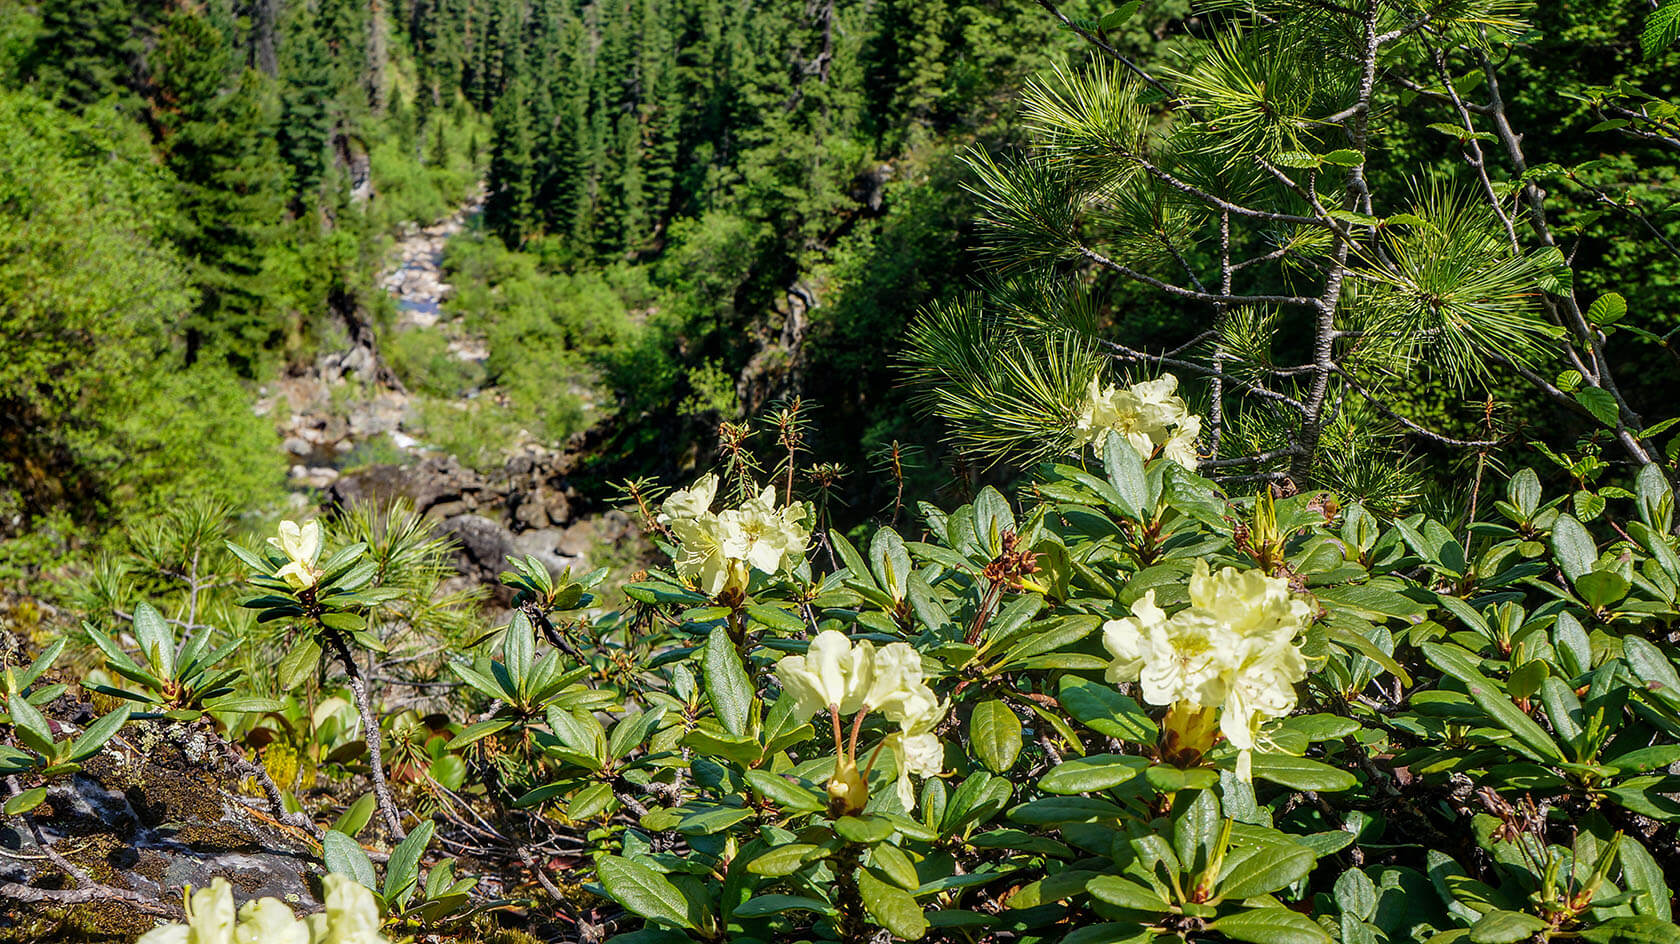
[
  {"x": 1186, "y": 661},
  {"x": 768, "y": 537},
  {"x": 210, "y": 914},
  {"x": 1250, "y": 603}
]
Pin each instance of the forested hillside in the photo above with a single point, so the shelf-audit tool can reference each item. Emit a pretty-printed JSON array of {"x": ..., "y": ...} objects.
[
  {"x": 694, "y": 209},
  {"x": 713, "y": 471},
  {"x": 195, "y": 197},
  {"x": 770, "y": 189}
]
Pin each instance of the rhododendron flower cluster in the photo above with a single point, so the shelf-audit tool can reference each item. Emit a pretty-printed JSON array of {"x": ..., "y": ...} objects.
[
  {"x": 351, "y": 917},
  {"x": 1149, "y": 415},
  {"x": 303, "y": 545},
  {"x": 847, "y": 680},
  {"x": 1233, "y": 649},
  {"x": 718, "y": 550}
]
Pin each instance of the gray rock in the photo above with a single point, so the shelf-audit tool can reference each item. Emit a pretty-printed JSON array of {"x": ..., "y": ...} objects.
[
  {"x": 158, "y": 810},
  {"x": 440, "y": 485},
  {"x": 485, "y": 545},
  {"x": 534, "y": 509},
  {"x": 298, "y": 446},
  {"x": 557, "y": 506},
  {"x": 544, "y": 544},
  {"x": 449, "y": 509}
]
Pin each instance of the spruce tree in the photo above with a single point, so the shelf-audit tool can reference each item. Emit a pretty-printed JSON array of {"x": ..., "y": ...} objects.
[
  {"x": 90, "y": 49},
  {"x": 305, "y": 120},
  {"x": 217, "y": 141},
  {"x": 509, "y": 208}
]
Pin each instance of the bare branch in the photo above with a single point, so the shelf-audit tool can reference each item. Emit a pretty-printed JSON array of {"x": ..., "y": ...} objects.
[
  {"x": 1182, "y": 292},
  {"x": 1429, "y": 93},
  {"x": 1133, "y": 354},
  {"x": 1324, "y": 342},
  {"x": 145, "y": 904},
  {"x": 1107, "y": 49},
  {"x": 1411, "y": 426},
  {"x": 1255, "y": 459},
  {"x": 1217, "y": 202},
  {"x": 1589, "y": 336}
]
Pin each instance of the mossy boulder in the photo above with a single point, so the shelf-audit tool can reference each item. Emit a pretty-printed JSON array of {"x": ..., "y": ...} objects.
[{"x": 156, "y": 812}]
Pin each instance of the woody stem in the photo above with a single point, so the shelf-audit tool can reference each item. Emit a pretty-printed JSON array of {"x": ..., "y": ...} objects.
[{"x": 370, "y": 721}]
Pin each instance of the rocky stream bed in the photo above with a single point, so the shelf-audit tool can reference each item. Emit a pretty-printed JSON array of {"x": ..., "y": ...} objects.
[{"x": 336, "y": 415}]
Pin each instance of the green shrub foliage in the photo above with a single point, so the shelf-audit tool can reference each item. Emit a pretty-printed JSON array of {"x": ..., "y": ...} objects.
[
  {"x": 1122, "y": 703},
  {"x": 1195, "y": 668}
]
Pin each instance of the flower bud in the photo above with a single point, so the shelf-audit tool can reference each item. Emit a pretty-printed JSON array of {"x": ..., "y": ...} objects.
[{"x": 847, "y": 791}]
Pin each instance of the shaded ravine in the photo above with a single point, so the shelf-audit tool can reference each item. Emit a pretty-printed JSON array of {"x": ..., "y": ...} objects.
[
  {"x": 338, "y": 413},
  {"x": 353, "y": 438}
]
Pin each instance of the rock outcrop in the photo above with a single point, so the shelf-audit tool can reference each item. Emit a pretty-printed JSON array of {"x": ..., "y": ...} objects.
[
  {"x": 527, "y": 507},
  {"x": 155, "y": 812}
]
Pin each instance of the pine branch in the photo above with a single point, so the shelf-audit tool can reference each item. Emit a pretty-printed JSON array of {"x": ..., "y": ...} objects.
[{"x": 1133, "y": 354}]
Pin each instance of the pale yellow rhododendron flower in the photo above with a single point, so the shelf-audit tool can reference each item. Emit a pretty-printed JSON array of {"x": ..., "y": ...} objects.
[
  {"x": 835, "y": 674},
  {"x": 766, "y": 536},
  {"x": 269, "y": 921},
  {"x": 1233, "y": 648},
  {"x": 693, "y": 502},
  {"x": 301, "y": 543},
  {"x": 351, "y": 917},
  {"x": 717, "y": 551},
  {"x": 1148, "y": 415},
  {"x": 916, "y": 749},
  {"x": 210, "y": 919},
  {"x": 831, "y": 673}
]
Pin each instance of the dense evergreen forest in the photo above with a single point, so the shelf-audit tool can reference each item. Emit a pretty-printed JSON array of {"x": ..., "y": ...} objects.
[
  {"x": 695, "y": 211},
  {"x": 694, "y": 208}
]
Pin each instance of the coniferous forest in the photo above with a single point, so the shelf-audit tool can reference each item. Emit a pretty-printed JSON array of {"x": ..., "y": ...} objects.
[{"x": 976, "y": 471}]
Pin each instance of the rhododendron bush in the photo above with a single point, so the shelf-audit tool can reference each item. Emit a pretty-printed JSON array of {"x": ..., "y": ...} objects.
[
  {"x": 1122, "y": 702},
  {"x": 1133, "y": 706}
]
